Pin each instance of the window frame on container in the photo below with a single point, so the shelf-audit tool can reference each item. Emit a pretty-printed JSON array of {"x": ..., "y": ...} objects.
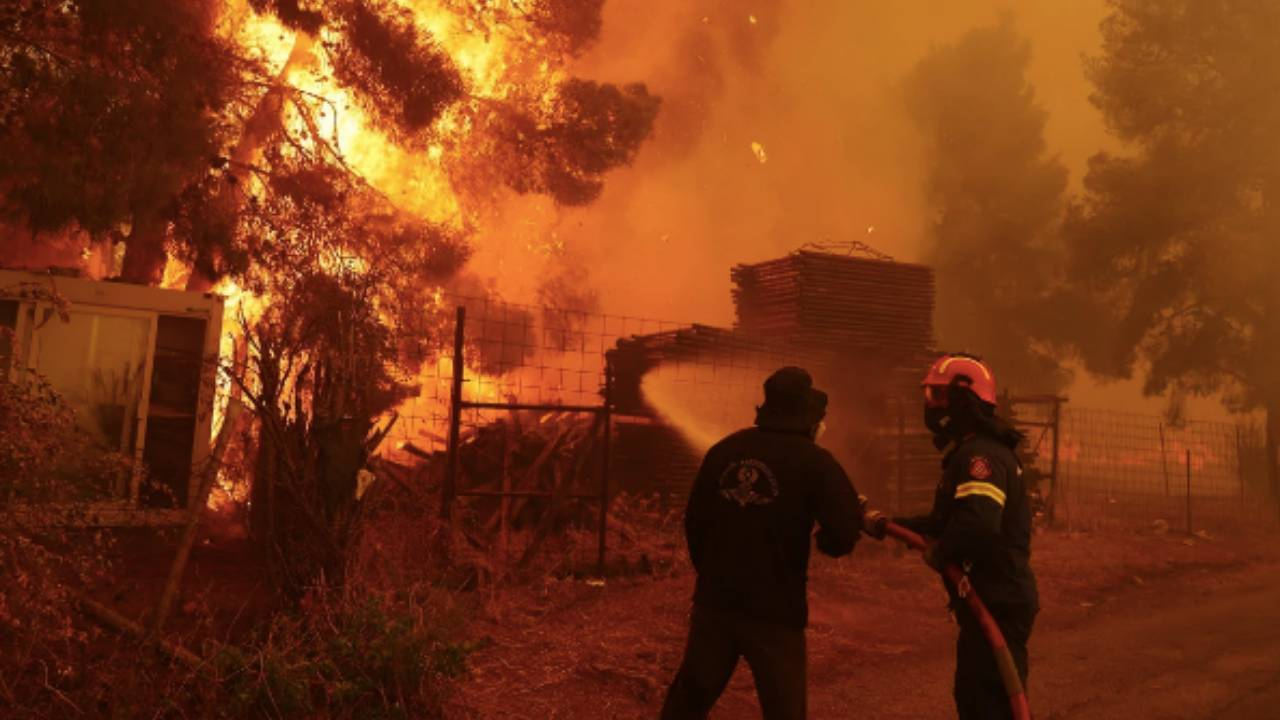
[
  {"x": 44, "y": 309},
  {"x": 106, "y": 298}
]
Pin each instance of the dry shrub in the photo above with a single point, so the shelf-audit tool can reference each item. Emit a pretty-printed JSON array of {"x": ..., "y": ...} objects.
[
  {"x": 357, "y": 655},
  {"x": 401, "y": 536},
  {"x": 362, "y": 653},
  {"x": 45, "y": 457},
  {"x": 647, "y": 535},
  {"x": 350, "y": 656}
]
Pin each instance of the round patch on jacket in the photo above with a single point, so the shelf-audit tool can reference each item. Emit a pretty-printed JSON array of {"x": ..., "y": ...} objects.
[
  {"x": 748, "y": 482},
  {"x": 979, "y": 467}
]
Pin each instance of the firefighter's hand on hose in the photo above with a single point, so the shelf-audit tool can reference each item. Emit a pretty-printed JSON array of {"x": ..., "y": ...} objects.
[{"x": 873, "y": 521}]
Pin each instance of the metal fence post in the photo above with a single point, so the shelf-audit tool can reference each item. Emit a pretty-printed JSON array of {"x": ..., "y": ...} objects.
[
  {"x": 604, "y": 464},
  {"x": 1188, "y": 491},
  {"x": 1240, "y": 469},
  {"x": 1164, "y": 464},
  {"x": 902, "y": 454},
  {"x": 1053, "y": 461},
  {"x": 455, "y": 417}
]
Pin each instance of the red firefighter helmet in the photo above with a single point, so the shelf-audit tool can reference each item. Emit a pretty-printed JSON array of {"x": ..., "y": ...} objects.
[{"x": 967, "y": 370}]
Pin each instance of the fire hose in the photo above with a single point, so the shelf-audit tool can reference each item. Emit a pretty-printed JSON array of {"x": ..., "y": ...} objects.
[{"x": 1004, "y": 660}]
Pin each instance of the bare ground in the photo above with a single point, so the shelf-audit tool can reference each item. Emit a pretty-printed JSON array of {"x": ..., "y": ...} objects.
[{"x": 1133, "y": 625}]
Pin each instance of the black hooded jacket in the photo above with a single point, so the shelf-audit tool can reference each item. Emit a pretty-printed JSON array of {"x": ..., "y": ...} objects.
[{"x": 750, "y": 517}]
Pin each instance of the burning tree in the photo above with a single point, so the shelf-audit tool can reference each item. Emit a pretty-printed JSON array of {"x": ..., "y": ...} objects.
[
  {"x": 323, "y": 163},
  {"x": 110, "y": 111},
  {"x": 125, "y": 118},
  {"x": 1171, "y": 250},
  {"x": 332, "y": 351}
]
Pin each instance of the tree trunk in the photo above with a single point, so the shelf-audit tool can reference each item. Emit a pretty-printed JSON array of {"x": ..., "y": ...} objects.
[
  {"x": 265, "y": 122},
  {"x": 100, "y": 263},
  {"x": 195, "y": 511},
  {"x": 144, "y": 255},
  {"x": 262, "y": 491}
]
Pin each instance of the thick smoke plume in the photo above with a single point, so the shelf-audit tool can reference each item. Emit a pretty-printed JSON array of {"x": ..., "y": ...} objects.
[
  {"x": 998, "y": 198},
  {"x": 818, "y": 87}
]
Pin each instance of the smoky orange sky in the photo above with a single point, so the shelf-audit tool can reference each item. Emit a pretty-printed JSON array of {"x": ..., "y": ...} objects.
[{"x": 816, "y": 86}]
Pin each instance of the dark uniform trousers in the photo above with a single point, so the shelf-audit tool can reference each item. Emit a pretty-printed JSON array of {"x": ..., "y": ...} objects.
[
  {"x": 775, "y": 653},
  {"x": 980, "y": 693}
]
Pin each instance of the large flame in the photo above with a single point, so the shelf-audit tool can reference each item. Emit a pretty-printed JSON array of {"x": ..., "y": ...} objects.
[
  {"x": 438, "y": 177},
  {"x": 493, "y": 66}
]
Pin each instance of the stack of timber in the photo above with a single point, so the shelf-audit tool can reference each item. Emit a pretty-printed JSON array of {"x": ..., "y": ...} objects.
[
  {"x": 875, "y": 314},
  {"x": 824, "y": 300},
  {"x": 652, "y": 457},
  {"x": 863, "y": 327},
  {"x": 524, "y": 472}
]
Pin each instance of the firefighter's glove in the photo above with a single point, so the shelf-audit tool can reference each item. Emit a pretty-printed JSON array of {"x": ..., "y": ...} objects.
[
  {"x": 874, "y": 523},
  {"x": 931, "y": 557}
]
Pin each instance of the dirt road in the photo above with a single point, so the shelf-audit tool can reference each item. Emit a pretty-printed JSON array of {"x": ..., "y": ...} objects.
[
  {"x": 1204, "y": 651},
  {"x": 1132, "y": 627},
  {"x": 1199, "y": 646}
]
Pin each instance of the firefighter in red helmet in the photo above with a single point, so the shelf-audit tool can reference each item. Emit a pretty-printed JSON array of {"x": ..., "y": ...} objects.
[{"x": 981, "y": 520}]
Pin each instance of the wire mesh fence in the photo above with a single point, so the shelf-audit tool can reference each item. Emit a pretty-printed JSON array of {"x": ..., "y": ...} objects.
[
  {"x": 524, "y": 354},
  {"x": 552, "y": 400},
  {"x": 555, "y": 400},
  {"x": 1039, "y": 417},
  {"x": 513, "y": 354},
  {"x": 694, "y": 381},
  {"x": 515, "y": 412},
  {"x": 1129, "y": 469}
]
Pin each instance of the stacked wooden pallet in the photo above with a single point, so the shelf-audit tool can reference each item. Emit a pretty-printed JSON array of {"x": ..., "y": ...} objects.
[
  {"x": 863, "y": 327},
  {"x": 830, "y": 301}
]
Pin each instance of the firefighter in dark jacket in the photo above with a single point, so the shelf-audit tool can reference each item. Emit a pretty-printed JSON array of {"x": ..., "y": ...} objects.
[
  {"x": 749, "y": 521},
  {"x": 981, "y": 521}
]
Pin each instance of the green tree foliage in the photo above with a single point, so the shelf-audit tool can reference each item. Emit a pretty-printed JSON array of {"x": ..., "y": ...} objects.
[
  {"x": 997, "y": 198},
  {"x": 1172, "y": 248}
]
